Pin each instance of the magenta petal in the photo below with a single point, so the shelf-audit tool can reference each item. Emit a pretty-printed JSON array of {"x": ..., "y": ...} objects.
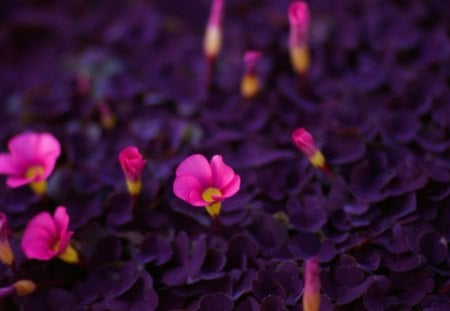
[
  {"x": 61, "y": 220},
  {"x": 22, "y": 146},
  {"x": 184, "y": 185},
  {"x": 37, "y": 249},
  {"x": 222, "y": 174},
  {"x": 39, "y": 237},
  {"x": 196, "y": 166},
  {"x": 47, "y": 150},
  {"x": 8, "y": 165},
  {"x": 64, "y": 242},
  {"x": 195, "y": 199},
  {"x": 17, "y": 181},
  {"x": 232, "y": 187}
]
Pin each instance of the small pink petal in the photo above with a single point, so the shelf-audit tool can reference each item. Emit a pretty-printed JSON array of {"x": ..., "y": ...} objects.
[
  {"x": 195, "y": 199},
  {"x": 8, "y": 165},
  {"x": 222, "y": 174},
  {"x": 61, "y": 220},
  {"x": 197, "y": 167},
  {"x": 184, "y": 185},
  {"x": 233, "y": 187},
  {"x": 17, "y": 181},
  {"x": 47, "y": 150},
  {"x": 22, "y": 146},
  {"x": 64, "y": 242}
]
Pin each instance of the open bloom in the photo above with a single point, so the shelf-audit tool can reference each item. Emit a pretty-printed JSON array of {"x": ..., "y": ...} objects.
[
  {"x": 213, "y": 35},
  {"x": 46, "y": 237},
  {"x": 305, "y": 142},
  {"x": 6, "y": 254},
  {"x": 205, "y": 184},
  {"x": 250, "y": 84},
  {"x": 311, "y": 293},
  {"x": 298, "y": 14},
  {"x": 31, "y": 160},
  {"x": 132, "y": 164}
]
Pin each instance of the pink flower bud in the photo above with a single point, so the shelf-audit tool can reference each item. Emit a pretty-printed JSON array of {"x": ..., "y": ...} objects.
[
  {"x": 31, "y": 160},
  {"x": 205, "y": 184},
  {"x": 46, "y": 237},
  {"x": 132, "y": 164},
  {"x": 311, "y": 292},
  {"x": 305, "y": 142}
]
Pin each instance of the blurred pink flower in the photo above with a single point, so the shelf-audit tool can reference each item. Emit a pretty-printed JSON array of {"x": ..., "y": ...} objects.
[
  {"x": 205, "y": 184},
  {"x": 46, "y": 237},
  {"x": 31, "y": 160},
  {"x": 212, "y": 42},
  {"x": 311, "y": 292},
  {"x": 298, "y": 15}
]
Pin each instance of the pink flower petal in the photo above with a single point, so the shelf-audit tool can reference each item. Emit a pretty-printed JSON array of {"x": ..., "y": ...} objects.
[
  {"x": 232, "y": 187},
  {"x": 184, "y": 185},
  {"x": 61, "y": 221},
  {"x": 37, "y": 249},
  {"x": 40, "y": 237},
  {"x": 64, "y": 242},
  {"x": 22, "y": 146},
  {"x": 197, "y": 167},
  {"x": 8, "y": 165},
  {"x": 17, "y": 181},
  {"x": 195, "y": 199},
  {"x": 46, "y": 150},
  {"x": 222, "y": 174}
]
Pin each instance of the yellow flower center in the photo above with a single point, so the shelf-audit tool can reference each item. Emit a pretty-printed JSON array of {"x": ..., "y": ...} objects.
[
  {"x": 208, "y": 194},
  {"x": 33, "y": 173},
  {"x": 213, "y": 209}
]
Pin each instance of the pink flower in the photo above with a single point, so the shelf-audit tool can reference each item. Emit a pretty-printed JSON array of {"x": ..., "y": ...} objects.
[
  {"x": 132, "y": 164},
  {"x": 6, "y": 254},
  {"x": 311, "y": 292},
  {"x": 46, "y": 237},
  {"x": 213, "y": 35},
  {"x": 31, "y": 160},
  {"x": 305, "y": 142},
  {"x": 298, "y": 14},
  {"x": 205, "y": 184}
]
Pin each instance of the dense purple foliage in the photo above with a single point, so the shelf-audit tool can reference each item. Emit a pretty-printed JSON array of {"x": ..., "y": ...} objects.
[{"x": 376, "y": 99}]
